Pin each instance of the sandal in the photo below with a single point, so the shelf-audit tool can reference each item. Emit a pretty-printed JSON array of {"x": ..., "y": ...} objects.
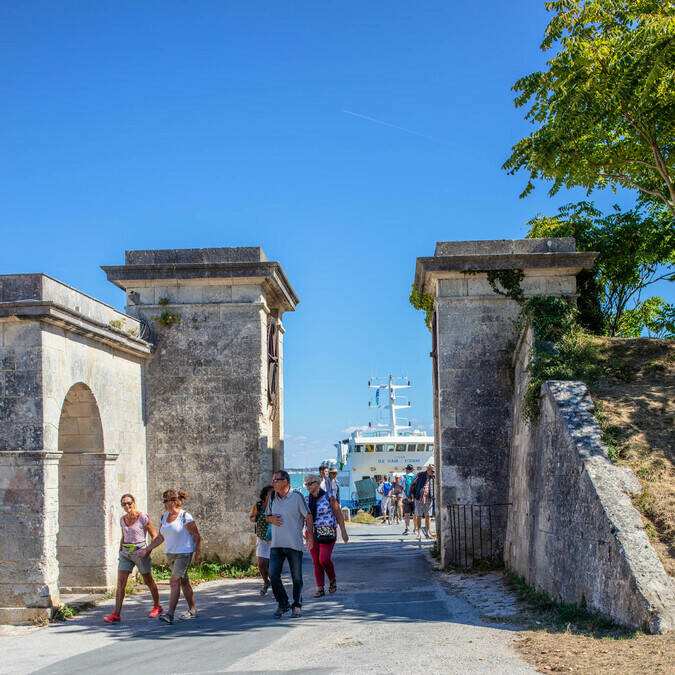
[
  {"x": 112, "y": 618},
  {"x": 190, "y": 614},
  {"x": 333, "y": 586},
  {"x": 319, "y": 593}
]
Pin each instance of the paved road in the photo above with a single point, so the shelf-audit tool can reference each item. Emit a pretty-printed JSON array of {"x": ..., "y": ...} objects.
[{"x": 391, "y": 615}]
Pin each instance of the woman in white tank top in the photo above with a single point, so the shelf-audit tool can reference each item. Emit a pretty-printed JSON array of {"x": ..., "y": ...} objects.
[{"x": 181, "y": 540}]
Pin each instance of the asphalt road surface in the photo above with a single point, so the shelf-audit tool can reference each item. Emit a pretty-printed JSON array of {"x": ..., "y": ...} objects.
[{"x": 391, "y": 614}]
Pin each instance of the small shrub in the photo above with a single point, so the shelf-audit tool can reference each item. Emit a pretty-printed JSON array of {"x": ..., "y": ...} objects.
[
  {"x": 167, "y": 319},
  {"x": 64, "y": 612},
  {"x": 114, "y": 323},
  {"x": 163, "y": 301},
  {"x": 422, "y": 301}
]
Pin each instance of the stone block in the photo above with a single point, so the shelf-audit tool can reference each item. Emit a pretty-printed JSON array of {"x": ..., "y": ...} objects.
[
  {"x": 21, "y": 334},
  {"x": 23, "y": 383}
]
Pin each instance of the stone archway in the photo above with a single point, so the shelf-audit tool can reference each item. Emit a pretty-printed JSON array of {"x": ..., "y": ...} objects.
[{"x": 81, "y": 541}]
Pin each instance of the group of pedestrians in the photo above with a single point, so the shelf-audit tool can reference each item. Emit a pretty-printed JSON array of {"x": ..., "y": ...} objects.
[
  {"x": 182, "y": 543},
  {"x": 285, "y": 522},
  {"x": 283, "y": 517},
  {"x": 411, "y": 494}
]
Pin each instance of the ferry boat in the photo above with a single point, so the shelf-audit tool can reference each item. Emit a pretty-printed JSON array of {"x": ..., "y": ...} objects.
[{"x": 382, "y": 449}]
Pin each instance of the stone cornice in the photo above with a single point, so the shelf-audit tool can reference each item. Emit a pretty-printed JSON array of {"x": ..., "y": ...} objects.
[
  {"x": 61, "y": 316},
  {"x": 270, "y": 274},
  {"x": 440, "y": 266}
]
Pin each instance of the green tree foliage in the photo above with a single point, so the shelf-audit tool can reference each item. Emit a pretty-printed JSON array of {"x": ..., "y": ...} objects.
[
  {"x": 635, "y": 249},
  {"x": 654, "y": 315},
  {"x": 604, "y": 108}
]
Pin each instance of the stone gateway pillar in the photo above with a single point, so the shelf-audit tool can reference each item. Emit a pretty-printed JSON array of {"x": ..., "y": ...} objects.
[
  {"x": 214, "y": 388},
  {"x": 473, "y": 338}
]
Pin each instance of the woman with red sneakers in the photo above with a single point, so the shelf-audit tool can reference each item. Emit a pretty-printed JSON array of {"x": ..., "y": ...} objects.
[{"x": 135, "y": 528}]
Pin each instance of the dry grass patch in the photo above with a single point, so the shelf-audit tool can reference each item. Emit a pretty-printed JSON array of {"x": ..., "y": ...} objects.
[
  {"x": 568, "y": 652},
  {"x": 635, "y": 406}
]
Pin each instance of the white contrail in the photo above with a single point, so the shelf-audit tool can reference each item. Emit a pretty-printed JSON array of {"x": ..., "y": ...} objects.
[{"x": 387, "y": 124}]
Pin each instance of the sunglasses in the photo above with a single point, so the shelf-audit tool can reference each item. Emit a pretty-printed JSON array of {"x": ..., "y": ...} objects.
[
  {"x": 311, "y": 482},
  {"x": 126, "y": 503},
  {"x": 276, "y": 480}
]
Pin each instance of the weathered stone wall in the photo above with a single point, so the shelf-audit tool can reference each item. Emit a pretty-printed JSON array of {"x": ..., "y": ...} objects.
[
  {"x": 210, "y": 428},
  {"x": 72, "y": 440},
  {"x": 572, "y": 530},
  {"x": 473, "y": 381}
]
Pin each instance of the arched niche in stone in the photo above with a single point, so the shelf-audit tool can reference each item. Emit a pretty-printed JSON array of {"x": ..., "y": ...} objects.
[{"x": 81, "y": 541}]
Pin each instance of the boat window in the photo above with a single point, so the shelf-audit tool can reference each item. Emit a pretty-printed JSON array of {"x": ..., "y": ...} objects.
[
  {"x": 389, "y": 447},
  {"x": 370, "y": 448},
  {"x": 411, "y": 447},
  {"x": 378, "y": 447},
  {"x": 421, "y": 447},
  {"x": 358, "y": 448},
  {"x": 400, "y": 447},
  {"x": 431, "y": 448}
]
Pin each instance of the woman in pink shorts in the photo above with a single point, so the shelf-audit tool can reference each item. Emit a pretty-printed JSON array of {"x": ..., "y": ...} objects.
[{"x": 135, "y": 528}]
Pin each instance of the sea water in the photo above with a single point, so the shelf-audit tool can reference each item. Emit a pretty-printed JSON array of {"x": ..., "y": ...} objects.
[{"x": 297, "y": 482}]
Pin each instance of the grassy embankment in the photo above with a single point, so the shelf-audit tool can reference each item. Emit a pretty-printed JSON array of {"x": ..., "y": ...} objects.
[{"x": 632, "y": 385}]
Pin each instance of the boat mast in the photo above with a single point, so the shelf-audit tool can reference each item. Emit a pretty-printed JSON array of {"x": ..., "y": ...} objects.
[{"x": 390, "y": 389}]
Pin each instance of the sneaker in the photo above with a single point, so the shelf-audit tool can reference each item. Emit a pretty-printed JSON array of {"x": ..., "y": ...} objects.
[
  {"x": 424, "y": 531},
  {"x": 297, "y": 611},
  {"x": 166, "y": 618},
  {"x": 405, "y": 531},
  {"x": 280, "y": 611},
  {"x": 264, "y": 589},
  {"x": 112, "y": 618},
  {"x": 427, "y": 535},
  {"x": 156, "y": 611}
]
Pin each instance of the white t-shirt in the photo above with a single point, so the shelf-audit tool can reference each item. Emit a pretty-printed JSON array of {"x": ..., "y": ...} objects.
[{"x": 177, "y": 538}]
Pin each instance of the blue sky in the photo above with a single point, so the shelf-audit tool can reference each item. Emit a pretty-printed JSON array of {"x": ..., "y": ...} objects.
[{"x": 172, "y": 124}]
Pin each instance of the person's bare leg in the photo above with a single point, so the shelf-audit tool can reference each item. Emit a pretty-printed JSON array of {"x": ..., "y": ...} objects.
[
  {"x": 427, "y": 522},
  {"x": 188, "y": 594},
  {"x": 121, "y": 588},
  {"x": 264, "y": 566},
  {"x": 174, "y": 584},
  {"x": 152, "y": 586}
]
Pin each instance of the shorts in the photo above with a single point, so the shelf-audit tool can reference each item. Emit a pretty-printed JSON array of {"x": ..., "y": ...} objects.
[
  {"x": 179, "y": 563},
  {"x": 384, "y": 505},
  {"x": 263, "y": 548},
  {"x": 421, "y": 509},
  {"x": 127, "y": 561},
  {"x": 408, "y": 507}
]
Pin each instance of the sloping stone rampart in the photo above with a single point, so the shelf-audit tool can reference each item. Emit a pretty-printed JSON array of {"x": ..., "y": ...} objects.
[{"x": 572, "y": 529}]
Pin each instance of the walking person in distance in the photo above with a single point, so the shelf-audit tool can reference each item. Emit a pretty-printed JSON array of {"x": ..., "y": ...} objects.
[
  {"x": 136, "y": 527},
  {"x": 181, "y": 540},
  {"x": 288, "y": 513},
  {"x": 408, "y": 499},
  {"x": 324, "y": 510},
  {"x": 263, "y": 531},
  {"x": 423, "y": 491}
]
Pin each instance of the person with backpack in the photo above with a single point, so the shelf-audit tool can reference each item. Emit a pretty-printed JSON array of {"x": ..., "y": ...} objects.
[
  {"x": 325, "y": 511},
  {"x": 408, "y": 499},
  {"x": 384, "y": 489},
  {"x": 263, "y": 531},
  {"x": 136, "y": 527},
  {"x": 181, "y": 540},
  {"x": 422, "y": 488}
]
